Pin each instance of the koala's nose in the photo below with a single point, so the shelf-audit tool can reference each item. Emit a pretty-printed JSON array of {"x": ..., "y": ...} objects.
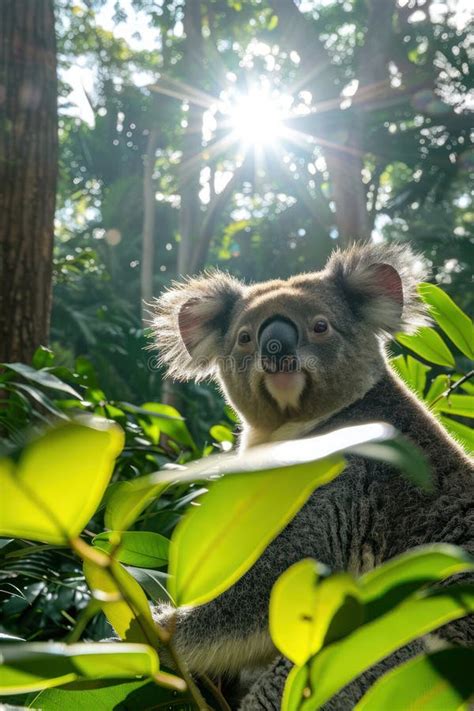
[{"x": 278, "y": 341}]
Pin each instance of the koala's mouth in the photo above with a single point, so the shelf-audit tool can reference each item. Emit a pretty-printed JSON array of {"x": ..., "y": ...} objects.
[{"x": 285, "y": 387}]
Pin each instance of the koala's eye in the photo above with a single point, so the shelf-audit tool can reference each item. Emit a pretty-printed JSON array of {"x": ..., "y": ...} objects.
[
  {"x": 244, "y": 337},
  {"x": 320, "y": 325}
]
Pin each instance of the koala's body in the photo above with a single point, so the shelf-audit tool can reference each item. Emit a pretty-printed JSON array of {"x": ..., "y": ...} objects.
[{"x": 306, "y": 356}]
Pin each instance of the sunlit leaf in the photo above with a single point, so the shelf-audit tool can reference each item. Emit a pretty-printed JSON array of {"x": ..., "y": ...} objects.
[
  {"x": 123, "y": 602},
  {"x": 303, "y": 606},
  {"x": 451, "y": 319},
  {"x": 428, "y": 344},
  {"x": 141, "y": 548},
  {"x": 219, "y": 433},
  {"x": 442, "y": 681},
  {"x": 32, "y": 666},
  {"x": 393, "y": 582},
  {"x": 129, "y": 499},
  {"x": 171, "y": 423},
  {"x": 437, "y": 388},
  {"x": 104, "y": 696},
  {"x": 336, "y": 665},
  {"x": 294, "y": 688},
  {"x": 218, "y": 540},
  {"x": 58, "y": 481},
  {"x": 412, "y": 371}
]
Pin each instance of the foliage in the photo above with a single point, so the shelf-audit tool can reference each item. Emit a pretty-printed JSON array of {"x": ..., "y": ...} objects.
[
  {"x": 280, "y": 216},
  {"x": 96, "y": 490},
  {"x": 449, "y": 395}
]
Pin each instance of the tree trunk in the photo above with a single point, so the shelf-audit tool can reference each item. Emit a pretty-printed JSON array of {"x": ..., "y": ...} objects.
[
  {"x": 345, "y": 163},
  {"x": 28, "y": 169},
  {"x": 190, "y": 168},
  {"x": 149, "y": 213}
]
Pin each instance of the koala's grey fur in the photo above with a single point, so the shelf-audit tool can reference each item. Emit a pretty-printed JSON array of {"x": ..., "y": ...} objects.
[{"x": 370, "y": 513}]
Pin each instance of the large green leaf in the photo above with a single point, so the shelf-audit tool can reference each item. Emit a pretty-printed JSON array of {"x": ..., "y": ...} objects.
[
  {"x": 339, "y": 663},
  {"x": 58, "y": 481},
  {"x": 104, "y": 696},
  {"x": 123, "y": 602},
  {"x": 453, "y": 321},
  {"x": 130, "y": 498},
  {"x": 218, "y": 540},
  {"x": 31, "y": 666},
  {"x": 141, "y": 548},
  {"x": 393, "y": 582},
  {"x": 442, "y": 681},
  {"x": 302, "y": 608},
  {"x": 428, "y": 344}
]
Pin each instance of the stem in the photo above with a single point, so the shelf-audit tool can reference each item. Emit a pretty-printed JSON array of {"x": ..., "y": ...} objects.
[
  {"x": 91, "y": 609},
  {"x": 153, "y": 634},
  {"x": 453, "y": 387},
  {"x": 181, "y": 667},
  {"x": 216, "y": 692}
]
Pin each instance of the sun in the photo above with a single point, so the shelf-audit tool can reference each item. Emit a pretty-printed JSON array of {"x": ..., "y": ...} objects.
[{"x": 257, "y": 119}]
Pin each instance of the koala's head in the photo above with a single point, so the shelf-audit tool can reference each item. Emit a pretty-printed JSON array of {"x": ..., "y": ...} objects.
[{"x": 294, "y": 350}]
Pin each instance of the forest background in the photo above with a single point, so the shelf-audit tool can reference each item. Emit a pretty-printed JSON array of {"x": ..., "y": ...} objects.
[{"x": 253, "y": 136}]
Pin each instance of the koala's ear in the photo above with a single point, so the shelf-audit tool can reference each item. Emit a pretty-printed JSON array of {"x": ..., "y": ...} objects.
[
  {"x": 190, "y": 321},
  {"x": 379, "y": 282}
]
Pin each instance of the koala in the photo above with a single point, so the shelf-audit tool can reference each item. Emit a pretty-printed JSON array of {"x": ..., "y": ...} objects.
[{"x": 306, "y": 356}]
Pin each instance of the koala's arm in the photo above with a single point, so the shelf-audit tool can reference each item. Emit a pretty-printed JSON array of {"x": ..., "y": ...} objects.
[{"x": 231, "y": 632}]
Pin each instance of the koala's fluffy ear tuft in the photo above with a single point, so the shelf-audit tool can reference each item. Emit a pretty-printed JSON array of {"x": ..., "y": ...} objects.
[
  {"x": 379, "y": 282},
  {"x": 190, "y": 320}
]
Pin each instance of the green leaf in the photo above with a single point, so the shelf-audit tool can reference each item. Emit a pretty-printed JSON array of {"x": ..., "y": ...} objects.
[
  {"x": 412, "y": 371},
  {"x": 219, "y": 433},
  {"x": 463, "y": 434},
  {"x": 462, "y": 405},
  {"x": 42, "y": 358},
  {"x": 141, "y": 548},
  {"x": 428, "y": 344},
  {"x": 336, "y": 665},
  {"x": 59, "y": 480},
  {"x": 295, "y": 685},
  {"x": 42, "y": 377},
  {"x": 437, "y": 388},
  {"x": 393, "y": 582},
  {"x": 417, "y": 373},
  {"x": 302, "y": 608},
  {"x": 218, "y": 540},
  {"x": 41, "y": 398},
  {"x": 32, "y": 666},
  {"x": 451, "y": 319},
  {"x": 104, "y": 696},
  {"x": 283, "y": 454},
  {"x": 123, "y": 602},
  {"x": 442, "y": 681},
  {"x": 171, "y": 423},
  {"x": 129, "y": 499}
]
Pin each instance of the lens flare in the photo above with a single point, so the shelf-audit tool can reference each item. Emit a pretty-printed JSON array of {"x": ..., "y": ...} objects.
[{"x": 257, "y": 119}]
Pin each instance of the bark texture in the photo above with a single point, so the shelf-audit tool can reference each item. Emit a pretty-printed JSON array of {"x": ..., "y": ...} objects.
[{"x": 28, "y": 170}]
